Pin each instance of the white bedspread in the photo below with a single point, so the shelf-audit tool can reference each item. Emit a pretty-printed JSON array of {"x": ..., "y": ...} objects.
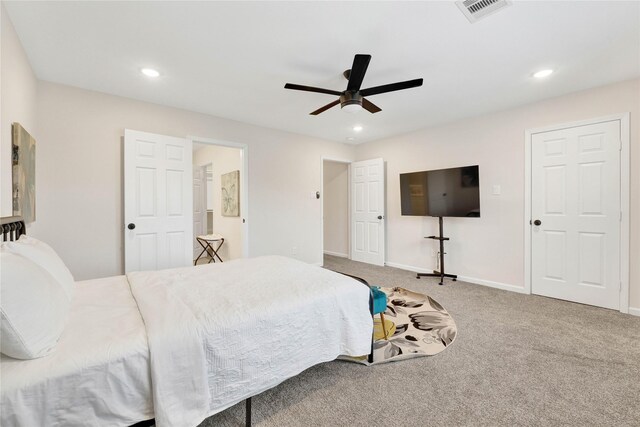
[
  {"x": 220, "y": 333},
  {"x": 99, "y": 373}
]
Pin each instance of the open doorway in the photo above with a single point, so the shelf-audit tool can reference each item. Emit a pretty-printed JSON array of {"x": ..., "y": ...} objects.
[
  {"x": 335, "y": 208},
  {"x": 218, "y": 215},
  {"x": 353, "y": 210}
]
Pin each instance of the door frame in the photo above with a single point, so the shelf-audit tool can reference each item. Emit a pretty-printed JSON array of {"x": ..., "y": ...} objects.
[
  {"x": 624, "y": 198},
  {"x": 348, "y": 163},
  {"x": 244, "y": 183}
]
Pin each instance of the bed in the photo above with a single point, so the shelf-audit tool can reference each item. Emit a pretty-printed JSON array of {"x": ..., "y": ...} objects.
[{"x": 180, "y": 345}]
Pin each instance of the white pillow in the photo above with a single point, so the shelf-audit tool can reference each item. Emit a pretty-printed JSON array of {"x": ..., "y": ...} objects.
[
  {"x": 33, "y": 307},
  {"x": 43, "y": 255}
]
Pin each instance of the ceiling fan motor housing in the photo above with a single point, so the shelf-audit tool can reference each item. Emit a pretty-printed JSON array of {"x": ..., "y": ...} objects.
[{"x": 350, "y": 98}]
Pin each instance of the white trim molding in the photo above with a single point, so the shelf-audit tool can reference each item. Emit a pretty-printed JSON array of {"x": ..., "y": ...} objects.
[
  {"x": 624, "y": 199},
  {"x": 625, "y": 222},
  {"x": 408, "y": 267},
  {"x": 475, "y": 281},
  {"x": 527, "y": 210},
  {"x": 634, "y": 311},
  {"x": 338, "y": 254},
  {"x": 492, "y": 284}
]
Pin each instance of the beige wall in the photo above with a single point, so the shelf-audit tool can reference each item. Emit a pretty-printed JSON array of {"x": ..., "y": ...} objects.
[
  {"x": 79, "y": 167},
  {"x": 79, "y": 163},
  {"x": 336, "y": 208},
  {"x": 224, "y": 160},
  {"x": 79, "y": 173},
  {"x": 491, "y": 248},
  {"x": 17, "y": 103}
]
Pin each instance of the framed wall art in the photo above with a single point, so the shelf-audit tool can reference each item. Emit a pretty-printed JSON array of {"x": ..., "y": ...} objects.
[
  {"x": 230, "y": 193},
  {"x": 23, "y": 173}
]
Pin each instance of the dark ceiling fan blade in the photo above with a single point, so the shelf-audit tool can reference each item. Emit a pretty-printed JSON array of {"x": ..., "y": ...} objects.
[
  {"x": 370, "y": 106},
  {"x": 358, "y": 70},
  {"x": 311, "y": 89},
  {"x": 391, "y": 87},
  {"x": 325, "y": 108}
]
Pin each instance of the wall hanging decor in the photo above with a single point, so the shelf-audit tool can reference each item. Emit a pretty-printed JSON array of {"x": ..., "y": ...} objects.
[
  {"x": 23, "y": 165},
  {"x": 231, "y": 193}
]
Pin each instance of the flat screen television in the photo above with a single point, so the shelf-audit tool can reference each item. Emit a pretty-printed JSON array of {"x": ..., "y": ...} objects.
[{"x": 443, "y": 192}]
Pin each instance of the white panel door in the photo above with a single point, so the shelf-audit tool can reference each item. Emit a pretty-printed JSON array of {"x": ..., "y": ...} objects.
[
  {"x": 575, "y": 249},
  {"x": 158, "y": 205},
  {"x": 199, "y": 207},
  {"x": 367, "y": 211}
]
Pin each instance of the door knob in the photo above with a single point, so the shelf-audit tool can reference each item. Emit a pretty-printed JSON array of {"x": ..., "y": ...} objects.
[
  {"x": 379, "y": 216},
  {"x": 131, "y": 226},
  {"x": 537, "y": 222}
]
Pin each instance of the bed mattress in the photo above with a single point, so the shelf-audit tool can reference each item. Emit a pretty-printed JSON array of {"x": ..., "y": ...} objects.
[
  {"x": 223, "y": 332},
  {"x": 99, "y": 374},
  {"x": 192, "y": 340}
]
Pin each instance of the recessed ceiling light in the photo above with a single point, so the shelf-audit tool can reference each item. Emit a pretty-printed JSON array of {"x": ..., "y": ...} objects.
[
  {"x": 350, "y": 138},
  {"x": 357, "y": 128},
  {"x": 150, "y": 72},
  {"x": 542, "y": 74}
]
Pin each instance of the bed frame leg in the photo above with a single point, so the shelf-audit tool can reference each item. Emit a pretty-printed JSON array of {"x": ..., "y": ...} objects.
[{"x": 248, "y": 412}]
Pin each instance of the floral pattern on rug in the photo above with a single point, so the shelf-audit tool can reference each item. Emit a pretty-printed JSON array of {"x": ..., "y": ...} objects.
[{"x": 423, "y": 328}]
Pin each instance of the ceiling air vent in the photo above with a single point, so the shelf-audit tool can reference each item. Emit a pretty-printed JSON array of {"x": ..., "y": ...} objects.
[{"x": 475, "y": 10}]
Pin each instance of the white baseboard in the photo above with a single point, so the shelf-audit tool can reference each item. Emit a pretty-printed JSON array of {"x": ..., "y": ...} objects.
[
  {"x": 338, "y": 254},
  {"x": 408, "y": 267},
  {"x": 504, "y": 286},
  {"x": 489, "y": 283},
  {"x": 634, "y": 311}
]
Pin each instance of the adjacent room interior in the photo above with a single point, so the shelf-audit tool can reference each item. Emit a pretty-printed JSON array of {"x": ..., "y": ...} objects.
[
  {"x": 335, "y": 208},
  {"x": 216, "y": 207},
  {"x": 228, "y": 213}
]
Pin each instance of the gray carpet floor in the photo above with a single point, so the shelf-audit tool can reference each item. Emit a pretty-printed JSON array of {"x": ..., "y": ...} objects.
[{"x": 518, "y": 360}]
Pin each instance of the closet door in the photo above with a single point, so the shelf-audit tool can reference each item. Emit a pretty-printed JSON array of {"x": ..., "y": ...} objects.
[{"x": 576, "y": 214}]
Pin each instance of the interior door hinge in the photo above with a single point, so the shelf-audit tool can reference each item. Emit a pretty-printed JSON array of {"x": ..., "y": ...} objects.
[{"x": 620, "y": 145}]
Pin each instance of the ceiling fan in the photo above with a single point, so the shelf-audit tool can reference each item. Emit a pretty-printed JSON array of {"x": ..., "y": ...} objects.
[{"x": 352, "y": 99}]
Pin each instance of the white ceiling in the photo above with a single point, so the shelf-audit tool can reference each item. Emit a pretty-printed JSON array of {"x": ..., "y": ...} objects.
[{"x": 232, "y": 59}]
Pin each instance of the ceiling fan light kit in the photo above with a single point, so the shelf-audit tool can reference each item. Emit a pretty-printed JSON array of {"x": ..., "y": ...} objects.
[
  {"x": 353, "y": 98},
  {"x": 351, "y": 102}
]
